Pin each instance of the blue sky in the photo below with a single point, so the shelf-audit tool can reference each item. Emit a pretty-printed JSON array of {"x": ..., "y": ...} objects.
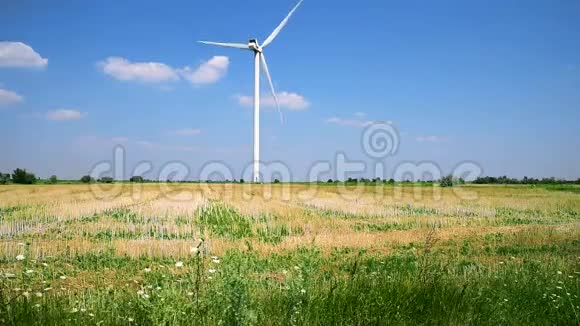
[{"x": 493, "y": 82}]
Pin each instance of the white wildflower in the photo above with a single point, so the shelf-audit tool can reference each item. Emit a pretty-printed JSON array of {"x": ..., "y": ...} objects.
[
  {"x": 74, "y": 310},
  {"x": 9, "y": 275},
  {"x": 20, "y": 257},
  {"x": 130, "y": 319},
  {"x": 21, "y": 244},
  {"x": 140, "y": 292},
  {"x": 506, "y": 300},
  {"x": 212, "y": 271},
  {"x": 48, "y": 289},
  {"x": 38, "y": 294},
  {"x": 194, "y": 250},
  {"x": 83, "y": 309},
  {"x": 215, "y": 261},
  {"x": 45, "y": 264},
  {"x": 190, "y": 294},
  {"x": 37, "y": 305},
  {"x": 63, "y": 277},
  {"x": 29, "y": 271},
  {"x": 158, "y": 288},
  {"x": 26, "y": 294},
  {"x": 303, "y": 291},
  {"x": 91, "y": 314},
  {"x": 147, "y": 270},
  {"x": 179, "y": 264},
  {"x": 559, "y": 273}
]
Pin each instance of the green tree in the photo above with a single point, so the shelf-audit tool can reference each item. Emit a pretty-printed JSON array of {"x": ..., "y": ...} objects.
[
  {"x": 446, "y": 181},
  {"x": 21, "y": 176},
  {"x": 137, "y": 178},
  {"x": 106, "y": 180},
  {"x": 53, "y": 179},
  {"x": 4, "y": 178},
  {"x": 86, "y": 179}
]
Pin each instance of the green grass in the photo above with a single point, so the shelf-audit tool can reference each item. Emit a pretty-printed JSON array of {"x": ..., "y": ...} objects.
[
  {"x": 223, "y": 221},
  {"x": 302, "y": 287}
]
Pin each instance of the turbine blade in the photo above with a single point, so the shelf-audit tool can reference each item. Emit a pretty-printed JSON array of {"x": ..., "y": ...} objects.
[
  {"x": 281, "y": 26},
  {"x": 228, "y": 45},
  {"x": 267, "y": 73}
]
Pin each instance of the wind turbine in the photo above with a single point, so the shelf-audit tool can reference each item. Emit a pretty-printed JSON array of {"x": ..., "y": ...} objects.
[{"x": 259, "y": 59}]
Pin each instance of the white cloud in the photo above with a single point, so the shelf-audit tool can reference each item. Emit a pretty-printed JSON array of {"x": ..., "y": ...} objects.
[
  {"x": 64, "y": 115},
  {"x": 208, "y": 72},
  {"x": 290, "y": 101},
  {"x": 429, "y": 139},
  {"x": 9, "y": 97},
  {"x": 147, "y": 72},
  {"x": 354, "y": 122},
  {"x": 18, "y": 54},
  {"x": 188, "y": 132}
]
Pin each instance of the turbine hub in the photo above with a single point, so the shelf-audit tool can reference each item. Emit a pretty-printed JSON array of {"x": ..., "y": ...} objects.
[{"x": 253, "y": 44}]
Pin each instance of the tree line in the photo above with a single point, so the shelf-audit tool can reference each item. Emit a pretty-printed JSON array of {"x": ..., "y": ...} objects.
[
  {"x": 22, "y": 176},
  {"x": 524, "y": 181}
]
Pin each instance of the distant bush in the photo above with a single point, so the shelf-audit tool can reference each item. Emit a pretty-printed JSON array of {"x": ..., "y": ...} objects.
[
  {"x": 276, "y": 181},
  {"x": 450, "y": 181},
  {"x": 446, "y": 181},
  {"x": 21, "y": 176},
  {"x": 86, "y": 179},
  {"x": 106, "y": 180},
  {"x": 53, "y": 179},
  {"x": 525, "y": 181},
  {"x": 137, "y": 178},
  {"x": 4, "y": 178}
]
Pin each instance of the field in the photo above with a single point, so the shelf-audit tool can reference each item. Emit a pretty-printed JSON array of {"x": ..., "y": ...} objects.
[{"x": 175, "y": 254}]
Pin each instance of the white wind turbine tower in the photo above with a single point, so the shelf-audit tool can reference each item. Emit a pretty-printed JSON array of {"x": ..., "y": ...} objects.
[{"x": 259, "y": 59}]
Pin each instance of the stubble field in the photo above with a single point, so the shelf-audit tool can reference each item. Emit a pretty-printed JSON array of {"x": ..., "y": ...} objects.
[{"x": 156, "y": 254}]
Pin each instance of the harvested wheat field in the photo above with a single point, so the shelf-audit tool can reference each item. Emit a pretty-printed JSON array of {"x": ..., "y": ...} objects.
[{"x": 157, "y": 254}]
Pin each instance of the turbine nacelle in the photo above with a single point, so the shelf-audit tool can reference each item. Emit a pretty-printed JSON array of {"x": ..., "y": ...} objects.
[{"x": 253, "y": 45}]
